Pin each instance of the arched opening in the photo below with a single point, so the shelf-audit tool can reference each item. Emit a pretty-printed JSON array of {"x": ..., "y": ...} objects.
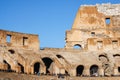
[
  {"x": 21, "y": 67},
  {"x": 77, "y": 46},
  {"x": 119, "y": 69},
  {"x": 103, "y": 58},
  {"x": 117, "y": 58},
  {"x": 79, "y": 70},
  {"x": 11, "y": 51},
  {"x": 36, "y": 68},
  {"x": 8, "y": 66},
  {"x": 47, "y": 62},
  {"x": 116, "y": 55},
  {"x": 59, "y": 56},
  {"x": 94, "y": 70}
]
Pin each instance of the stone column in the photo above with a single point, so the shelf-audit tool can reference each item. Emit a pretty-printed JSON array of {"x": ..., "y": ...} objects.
[
  {"x": 62, "y": 71},
  {"x": 31, "y": 70},
  {"x": 101, "y": 71},
  {"x": 42, "y": 69},
  {"x": 18, "y": 68},
  {"x": 73, "y": 72},
  {"x": 86, "y": 71},
  {"x": 115, "y": 71}
]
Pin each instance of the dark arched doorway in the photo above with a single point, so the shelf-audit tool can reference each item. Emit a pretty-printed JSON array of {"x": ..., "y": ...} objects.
[
  {"x": 37, "y": 67},
  {"x": 21, "y": 67},
  {"x": 94, "y": 70},
  {"x": 79, "y": 70},
  {"x": 47, "y": 62},
  {"x": 119, "y": 69}
]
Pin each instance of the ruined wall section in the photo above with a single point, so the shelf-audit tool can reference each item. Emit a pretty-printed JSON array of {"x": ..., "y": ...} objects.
[
  {"x": 109, "y": 9},
  {"x": 20, "y": 40},
  {"x": 88, "y": 18},
  {"x": 94, "y": 22}
]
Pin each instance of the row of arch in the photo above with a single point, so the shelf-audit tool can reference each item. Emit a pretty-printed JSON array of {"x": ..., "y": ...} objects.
[
  {"x": 93, "y": 70},
  {"x": 36, "y": 66},
  {"x": 47, "y": 61},
  {"x": 9, "y": 68}
]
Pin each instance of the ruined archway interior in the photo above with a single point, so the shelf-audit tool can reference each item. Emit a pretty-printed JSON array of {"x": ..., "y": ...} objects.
[
  {"x": 37, "y": 67},
  {"x": 79, "y": 70},
  {"x": 8, "y": 66},
  {"x": 94, "y": 70},
  {"x": 47, "y": 61}
]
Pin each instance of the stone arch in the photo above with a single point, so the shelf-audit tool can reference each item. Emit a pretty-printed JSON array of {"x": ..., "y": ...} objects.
[
  {"x": 94, "y": 70},
  {"x": 119, "y": 69},
  {"x": 11, "y": 51},
  {"x": 116, "y": 58},
  {"x": 37, "y": 67},
  {"x": 77, "y": 46},
  {"x": 117, "y": 61},
  {"x": 21, "y": 68},
  {"x": 103, "y": 58},
  {"x": 59, "y": 56},
  {"x": 79, "y": 70},
  {"x": 47, "y": 61},
  {"x": 35, "y": 63}
]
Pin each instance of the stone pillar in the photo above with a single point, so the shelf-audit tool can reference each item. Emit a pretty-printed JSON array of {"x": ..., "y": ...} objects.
[
  {"x": 73, "y": 72},
  {"x": 17, "y": 68},
  {"x": 115, "y": 71},
  {"x": 5, "y": 67},
  {"x": 101, "y": 71},
  {"x": 86, "y": 71},
  {"x": 31, "y": 69},
  {"x": 62, "y": 71},
  {"x": 42, "y": 69}
]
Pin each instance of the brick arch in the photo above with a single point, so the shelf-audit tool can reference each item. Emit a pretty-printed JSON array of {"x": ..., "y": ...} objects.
[
  {"x": 12, "y": 51},
  {"x": 48, "y": 62},
  {"x": 77, "y": 46},
  {"x": 48, "y": 56},
  {"x": 94, "y": 70},
  {"x": 103, "y": 55},
  {"x": 32, "y": 65},
  {"x": 116, "y": 55},
  {"x": 79, "y": 70},
  {"x": 60, "y": 56},
  {"x": 37, "y": 60},
  {"x": 117, "y": 59}
]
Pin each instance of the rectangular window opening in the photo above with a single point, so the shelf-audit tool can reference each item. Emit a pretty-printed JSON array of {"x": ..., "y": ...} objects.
[
  {"x": 25, "y": 41},
  {"x": 115, "y": 44},
  {"x": 8, "y": 38},
  {"x": 92, "y": 33},
  {"x": 107, "y": 20}
]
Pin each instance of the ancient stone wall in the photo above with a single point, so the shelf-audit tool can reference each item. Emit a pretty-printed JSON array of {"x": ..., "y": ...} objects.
[
  {"x": 21, "y": 40},
  {"x": 96, "y": 21},
  {"x": 96, "y": 33}
]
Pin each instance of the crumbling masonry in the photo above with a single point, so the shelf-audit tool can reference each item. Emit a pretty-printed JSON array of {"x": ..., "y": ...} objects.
[{"x": 92, "y": 46}]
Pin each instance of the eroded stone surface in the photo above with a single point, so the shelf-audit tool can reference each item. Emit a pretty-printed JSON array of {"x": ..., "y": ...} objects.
[{"x": 95, "y": 32}]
